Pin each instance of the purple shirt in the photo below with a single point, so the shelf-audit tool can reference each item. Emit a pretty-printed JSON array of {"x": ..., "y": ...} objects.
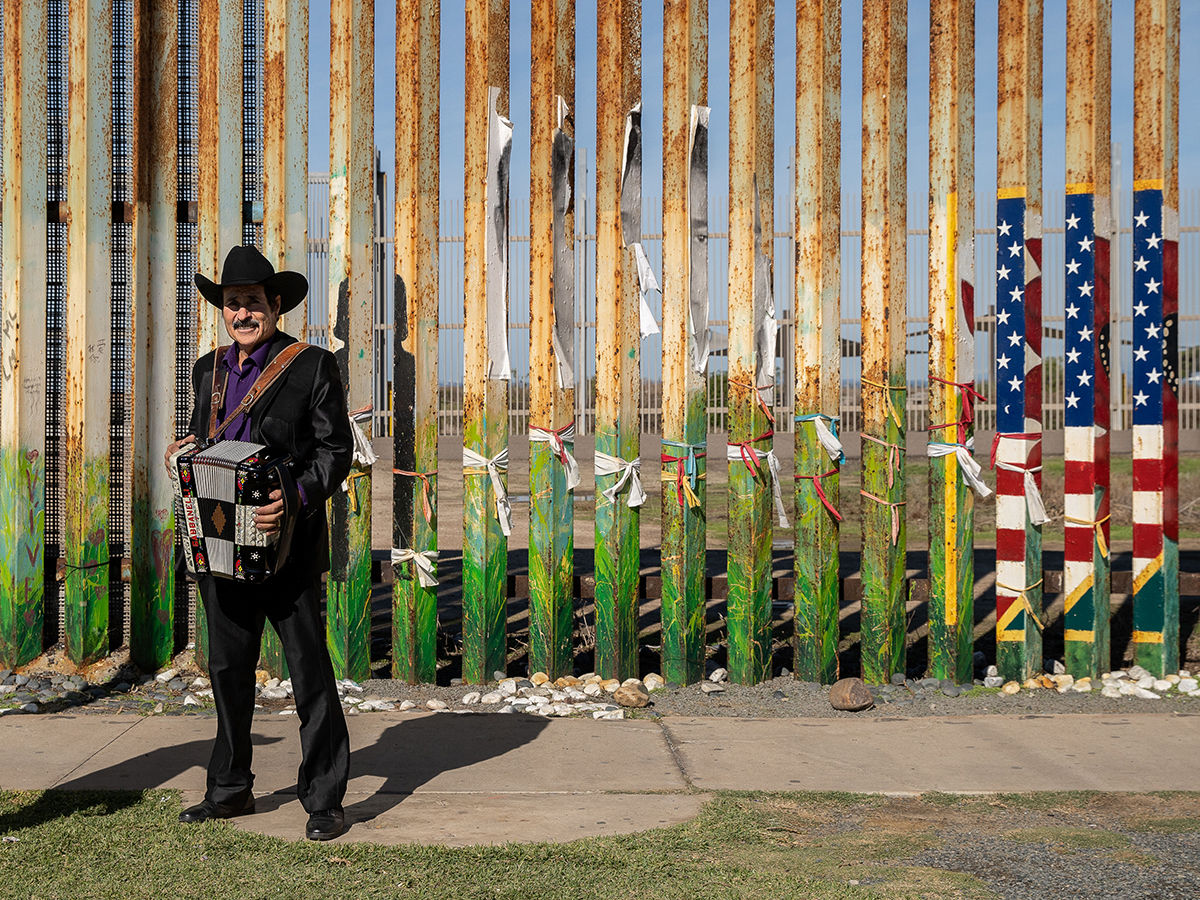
[{"x": 240, "y": 379}]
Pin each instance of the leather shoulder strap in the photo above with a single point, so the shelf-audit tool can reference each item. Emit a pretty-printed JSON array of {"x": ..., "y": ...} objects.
[
  {"x": 217, "y": 396},
  {"x": 265, "y": 379}
]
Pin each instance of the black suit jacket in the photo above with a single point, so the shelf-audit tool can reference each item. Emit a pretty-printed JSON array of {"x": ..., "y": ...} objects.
[{"x": 304, "y": 415}]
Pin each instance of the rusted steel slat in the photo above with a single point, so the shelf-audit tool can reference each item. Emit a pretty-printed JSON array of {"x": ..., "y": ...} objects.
[
  {"x": 817, "y": 315},
  {"x": 551, "y": 350},
  {"x": 685, "y": 150},
  {"x": 883, "y": 328},
  {"x": 751, "y": 375},
  {"x": 1156, "y": 336},
  {"x": 415, "y": 432},
  {"x": 154, "y": 162},
  {"x": 219, "y": 60},
  {"x": 618, "y": 366},
  {"x": 86, "y": 355},
  {"x": 23, "y": 335},
  {"x": 1087, "y": 418},
  {"x": 285, "y": 179},
  {"x": 485, "y": 402},
  {"x": 1017, "y": 453},
  {"x": 952, "y": 473},
  {"x": 351, "y": 311}
]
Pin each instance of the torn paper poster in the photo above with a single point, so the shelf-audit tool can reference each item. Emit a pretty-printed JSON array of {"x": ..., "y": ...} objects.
[
  {"x": 765, "y": 325},
  {"x": 698, "y": 217},
  {"x": 562, "y": 165},
  {"x": 631, "y": 216},
  {"x": 499, "y": 149}
]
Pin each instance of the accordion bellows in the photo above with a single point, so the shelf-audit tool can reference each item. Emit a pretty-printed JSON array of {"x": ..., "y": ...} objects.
[{"x": 218, "y": 488}]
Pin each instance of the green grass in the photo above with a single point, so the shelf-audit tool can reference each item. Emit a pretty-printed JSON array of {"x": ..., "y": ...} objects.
[
  {"x": 93, "y": 845},
  {"x": 1072, "y": 838}
]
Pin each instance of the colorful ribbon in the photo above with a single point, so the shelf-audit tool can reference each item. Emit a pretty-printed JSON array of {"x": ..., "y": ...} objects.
[
  {"x": 1098, "y": 524},
  {"x": 750, "y": 457},
  {"x": 558, "y": 441},
  {"x": 816, "y": 480},
  {"x": 967, "y": 465},
  {"x": 1020, "y": 595},
  {"x": 758, "y": 396},
  {"x": 894, "y": 456},
  {"x": 895, "y": 513},
  {"x": 827, "y": 434},
  {"x": 966, "y": 390},
  {"x": 426, "y": 489},
  {"x": 687, "y": 465},
  {"x": 630, "y": 471},
  {"x": 1033, "y": 496},
  {"x": 364, "y": 453},
  {"x": 475, "y": 464},
  {"x": 422, "y": 561},
  {"x": 348, "y": 487},
  {"x": 887, "y": 389}
]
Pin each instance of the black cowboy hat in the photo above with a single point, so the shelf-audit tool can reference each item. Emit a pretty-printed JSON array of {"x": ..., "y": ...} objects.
[{"x": 245, "y": 265}]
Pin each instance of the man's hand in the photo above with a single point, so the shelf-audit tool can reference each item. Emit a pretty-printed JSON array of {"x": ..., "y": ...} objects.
[
  {"x": 174, "y": 448},
  {"x": 267, "y": 518}
]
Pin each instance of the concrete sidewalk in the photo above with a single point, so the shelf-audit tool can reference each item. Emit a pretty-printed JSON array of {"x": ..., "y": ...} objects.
[{"x": 486, "y": 779}]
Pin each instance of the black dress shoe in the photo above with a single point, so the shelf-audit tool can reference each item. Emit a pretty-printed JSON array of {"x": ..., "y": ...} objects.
[
  {"x": 208, "y": 809},
  {"x": 325, "y": 824}
]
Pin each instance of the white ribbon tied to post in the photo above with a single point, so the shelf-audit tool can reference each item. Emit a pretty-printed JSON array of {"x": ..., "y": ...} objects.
[
  {"x": 558, "y": 445},
  {"x": 1033, "y": 497},
  {"x": 422, "y": 561},
  {"x": 826, "y": 435},
  {"x": 492, "y": 468},
  {"x": 737, "y": 452},
  {"x": 630, "y": 471},
  {"x": 364, "y": 454},
  {"x": 966, "y": 463}
]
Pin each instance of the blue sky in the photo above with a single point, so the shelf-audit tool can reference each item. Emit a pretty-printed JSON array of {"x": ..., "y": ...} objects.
[{"x": 452, "y": 122}]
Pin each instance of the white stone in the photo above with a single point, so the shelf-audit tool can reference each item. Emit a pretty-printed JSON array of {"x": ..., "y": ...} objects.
[
  {"x": 1111, "y": 690},
  {"x": 353, "y": 701},
  {"x": 1173, "y": 678},
  {"x": 539, "y": 700},
  {"x": 1082, "y": 687},
  {"x": 491, "y": 697},
  {"x": 575, "y": 694},
  {"x": 991, "y": 672},
  {"x": 1136, "y": 672},
  {"x": 1143, "y": 694},
  {"x": 608, "y": 714},
  {"x": 1187, "y": 685},
  {"x": 1145, "y": 681},
  {"x": 631, "y": 681},
  {"x": 1057, "y": 668},
  {"x": 520, "y": 702},
  {"x": 593, "y": 690},
  {"x": 380, "y": 705},
  {"x": 1195, "y": 693},
  {"x": 8, "y": 688},
  {"x": 286, "y": 684},
  {"x": 274, "y": 693},
  {"x": 164, "y": 677},
  {"x": 406, "y": 705},
  {"x": 993, "y": 681},
  {"x": 286, "y": 712},
  {"x": 1106, "y": 676},
  {"x": 1161, "y": 684},
  {"x": 507, "y": 688},
  {"x": 718, "y": 676},
  {"x": 350, "y": 685},
  {"x": 586, "y": 675},
  {"x": 557, "y": 696},
  {"x": 471, "y": 699},
  {"x": 271, "y": 683},
  {"x": 653, "y": 681},
  {"x": 352, "y": 710},
  {"x": 507, "y": 709},
  {"x": 562, "y": 709},
  {"x": 1184, "y": 673},
  {"x": 436, "y": 704},
  {"x": 190, "y": 700},
  {"x": 199, "y": 684}
]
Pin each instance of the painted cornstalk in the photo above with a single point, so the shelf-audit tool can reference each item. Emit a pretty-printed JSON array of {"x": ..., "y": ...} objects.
[
  {"x": 23, "y": 336},
  {"x": 1088, "y": 229},
  {"x": 88, "y": 329},
  {"x": 618, "y": 332},
  {"x": 553, "y": 472},
  {"x": 351, "y": 292},
  {"x": 818, "y": 335},
  {"x": 1017, "y": 450},
  {"x": 1156, "y": 336},
  {"x": 953, "y": 473},
  {"x": 155, "y": 157},
  {"x": 753, "y": 467},
  {"x": 415, "y": 432},
  {"x": 285, "y": 178},
  {"x": 487, "y": 516},
  {"x": 883, "y": 330},
  {"x": 219, "y": 178},
  {"x": 685, "y": 336}
]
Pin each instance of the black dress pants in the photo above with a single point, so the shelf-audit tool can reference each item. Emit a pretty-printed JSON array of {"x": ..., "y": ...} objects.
[{"x": 236, "y": 611}]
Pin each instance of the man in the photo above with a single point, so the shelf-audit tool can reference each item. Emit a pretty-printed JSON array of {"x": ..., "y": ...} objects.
[{"x": 302, "y": 413}]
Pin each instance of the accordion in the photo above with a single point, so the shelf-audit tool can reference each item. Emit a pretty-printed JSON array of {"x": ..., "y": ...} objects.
[{"x": 218, "y": 488}]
